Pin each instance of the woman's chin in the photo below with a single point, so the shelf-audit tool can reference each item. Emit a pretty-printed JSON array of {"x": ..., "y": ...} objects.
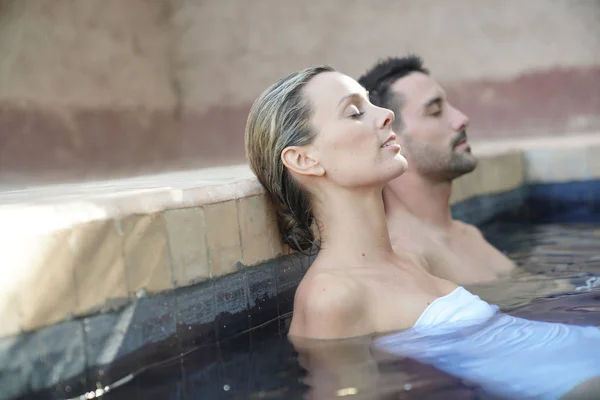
[{"x": 402, "y": 164}]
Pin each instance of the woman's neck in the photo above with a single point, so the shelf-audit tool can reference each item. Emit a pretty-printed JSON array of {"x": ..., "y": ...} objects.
[{"x": 353, "y": 226}]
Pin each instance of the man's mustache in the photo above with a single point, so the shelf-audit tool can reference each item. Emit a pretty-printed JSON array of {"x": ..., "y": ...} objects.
[{"x": 462, "y": 135}]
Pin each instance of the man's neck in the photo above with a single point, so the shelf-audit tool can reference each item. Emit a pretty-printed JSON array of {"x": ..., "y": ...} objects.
[{"x": 427, "y": 200}]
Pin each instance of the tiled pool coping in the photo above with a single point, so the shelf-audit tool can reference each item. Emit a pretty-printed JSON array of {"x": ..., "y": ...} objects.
[{"x": 152, "y": 254}]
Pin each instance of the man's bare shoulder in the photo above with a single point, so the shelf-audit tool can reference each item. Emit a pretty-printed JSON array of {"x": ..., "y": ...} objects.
[
  {"x": 467, "y": 229},
  {"x": 496, "y": 260},
  {"x": 328, "y": 304}
]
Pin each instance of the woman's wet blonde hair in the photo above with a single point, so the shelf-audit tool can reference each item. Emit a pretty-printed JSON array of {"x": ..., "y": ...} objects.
[{"x": 280, "y": 118}]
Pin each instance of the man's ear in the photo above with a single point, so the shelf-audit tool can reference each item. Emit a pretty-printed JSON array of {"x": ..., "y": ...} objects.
[{"x": 302, "y": 161}]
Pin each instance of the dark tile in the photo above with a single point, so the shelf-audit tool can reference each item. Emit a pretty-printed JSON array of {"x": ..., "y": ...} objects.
[
  {"x": 573, "y": 192},
  {"x": 157, "y": 322},
  {"x": 459, "y": 211},
  {"x": 481, "y": 209},
  {"x": 231, "y": 305},
  {"x": 262, "y": 291},
  {"x": 163, "y": 381},
  {"x": 145, "y": 333},
  {"x": 201, "y": 374},
  {"x": 541, "y": 202},
  {"x": 196, "y": 360},
  {"x": 284, "y": 324},
  {"x": 196, "y": 315},
  {"x": 234, "y": 365},
  {"x": 111, "y": 340},
  {"x": 59, "y": 356},
  {"x": 563, "y": 202},
  {"x": 594, "y": 187},
  {"x": 98, "y": 330},
  {"x": 289, "y": 272},
  {"x": 268, "y": 355},
  {"x": 156, "y": 315},
  {"x": 310, "y": 258},
  {"x": 16, "y": 367},
  {"x": 488, "y": 207}
]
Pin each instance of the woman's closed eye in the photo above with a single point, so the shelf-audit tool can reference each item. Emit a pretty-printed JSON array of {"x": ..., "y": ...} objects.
[{"x": 355, "y": 113}]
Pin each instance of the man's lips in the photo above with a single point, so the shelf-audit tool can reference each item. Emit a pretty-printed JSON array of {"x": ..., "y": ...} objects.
[{"x": 460, "y": 142}]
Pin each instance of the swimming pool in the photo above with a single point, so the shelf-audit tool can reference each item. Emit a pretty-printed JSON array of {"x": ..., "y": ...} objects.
[{"x": 551, "y": 231}]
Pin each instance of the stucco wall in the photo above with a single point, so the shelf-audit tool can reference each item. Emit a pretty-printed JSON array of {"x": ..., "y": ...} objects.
[
  {"x": 230, "y": 51},
  {"x": 95, "y": 88}
]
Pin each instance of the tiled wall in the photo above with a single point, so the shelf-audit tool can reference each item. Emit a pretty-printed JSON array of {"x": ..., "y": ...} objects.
[{"x": 156, "y": 243}]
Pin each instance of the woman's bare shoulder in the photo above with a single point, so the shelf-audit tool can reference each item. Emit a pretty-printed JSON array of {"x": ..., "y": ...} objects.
[{"x": 329, "y": 305}]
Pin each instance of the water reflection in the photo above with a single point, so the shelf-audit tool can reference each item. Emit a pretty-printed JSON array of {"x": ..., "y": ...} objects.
[
  {"x": 558, "y": 267},
  {"x": 505, "y": 356}
]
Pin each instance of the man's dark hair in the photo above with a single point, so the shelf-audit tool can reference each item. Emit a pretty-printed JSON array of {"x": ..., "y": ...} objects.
[{"x": 378, "y": 80}]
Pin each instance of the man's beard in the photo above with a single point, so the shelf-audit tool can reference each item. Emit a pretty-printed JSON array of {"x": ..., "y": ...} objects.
[
  {"x": 438, "y": 165},
  {"x": 460, "y": 163}
]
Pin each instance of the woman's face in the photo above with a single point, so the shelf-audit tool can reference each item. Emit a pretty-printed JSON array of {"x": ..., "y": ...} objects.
[{"x": 354, "y": 143}]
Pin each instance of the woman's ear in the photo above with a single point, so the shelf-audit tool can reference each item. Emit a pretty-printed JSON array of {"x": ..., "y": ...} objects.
[{"x": 302, "y": 161}]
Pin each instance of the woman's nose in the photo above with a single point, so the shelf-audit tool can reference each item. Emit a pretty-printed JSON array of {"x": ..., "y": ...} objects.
[{"x": 387, "y": 118}]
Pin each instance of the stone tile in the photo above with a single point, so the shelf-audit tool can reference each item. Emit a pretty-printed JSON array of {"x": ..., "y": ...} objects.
[
  {"x": 99, "y": 265},
  {"x": 10, "y": 314},
  {"x": 258, "y": 229},
  {"x": 494, "y": 173},
  {"x": 459, "y": 191},
  {"x": 42, "y": 278},
  {"x": 224, "y": 247},
  {"x": 501, "y": 172},
  {"x": 468, "y": 185},
  {"x": 188, "y": 245},
  {"x": 544, "y": 165},
  {"x": 146, "y": 253}
]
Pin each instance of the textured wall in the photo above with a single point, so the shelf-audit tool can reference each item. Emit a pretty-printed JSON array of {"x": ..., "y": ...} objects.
[
  {"x": 96, "y": 88},
  {"x": 86, "y": 53},
  {"x": 230, "y": 51}
]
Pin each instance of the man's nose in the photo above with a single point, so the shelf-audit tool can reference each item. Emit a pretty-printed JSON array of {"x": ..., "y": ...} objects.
[{"x": 460, "y": 120}]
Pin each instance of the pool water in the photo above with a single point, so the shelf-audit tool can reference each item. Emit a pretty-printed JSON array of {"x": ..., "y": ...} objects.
[{"x": 557, "y": 281}]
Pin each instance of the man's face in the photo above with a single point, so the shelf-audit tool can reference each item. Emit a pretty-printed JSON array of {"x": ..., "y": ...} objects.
[{"x": 433, "y": 132}]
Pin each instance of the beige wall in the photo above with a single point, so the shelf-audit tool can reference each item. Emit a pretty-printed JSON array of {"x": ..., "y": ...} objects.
[
  {"x": 229, "y": 51},
  {"x": 94, "y": 88},
  {"x": 86, "y": 53},
  {"x": 107, "y": 53}
]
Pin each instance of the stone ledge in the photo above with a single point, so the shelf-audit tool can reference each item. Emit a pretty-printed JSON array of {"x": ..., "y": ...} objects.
[{"x": 81, "y": 248}]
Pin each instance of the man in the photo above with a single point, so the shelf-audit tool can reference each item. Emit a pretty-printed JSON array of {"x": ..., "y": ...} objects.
[{"x": 433, "y": 137}]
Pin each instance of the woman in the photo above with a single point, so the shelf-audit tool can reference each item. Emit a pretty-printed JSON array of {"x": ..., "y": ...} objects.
[{"x": 324, "y": 154}]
